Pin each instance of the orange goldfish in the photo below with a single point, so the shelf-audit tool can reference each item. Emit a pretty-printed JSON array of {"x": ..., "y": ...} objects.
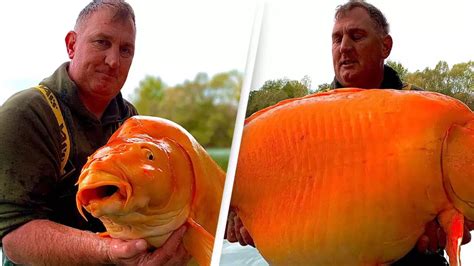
[
  {"x": 351, "y": 176},
  {"x": 149, "y": 179}
]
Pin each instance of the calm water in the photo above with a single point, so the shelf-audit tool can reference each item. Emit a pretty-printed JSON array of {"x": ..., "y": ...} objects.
[{"x": 235, "y": 255}]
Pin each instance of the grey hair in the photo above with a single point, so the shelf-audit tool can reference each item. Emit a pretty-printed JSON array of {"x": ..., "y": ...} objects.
[
  {"x": 122, "y": 9},
  {"x": 375, "y": 14}
]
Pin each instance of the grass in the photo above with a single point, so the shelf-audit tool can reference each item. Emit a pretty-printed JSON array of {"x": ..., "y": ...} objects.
[{"x": 220, "y": 155}]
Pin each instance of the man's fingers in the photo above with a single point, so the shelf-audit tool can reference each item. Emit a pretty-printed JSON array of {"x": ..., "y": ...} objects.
[
  {"x": 441, "y": 238},
  {"x": 238, "y": 225},
  {"x": 469, "y": 224},
  {"x": 181, "y": 257},
  {"x": 120, "y": 249},
  {"x": 246, "y": 236},
  {"x": 168, "y": 251},
  {"x": 230, "y": 230},
  {"x": 466, "y": 235},
  {"x": 431, "y": 231},
  {"x": 422, "y": 244},
  {"x": 171, "y": 245}
]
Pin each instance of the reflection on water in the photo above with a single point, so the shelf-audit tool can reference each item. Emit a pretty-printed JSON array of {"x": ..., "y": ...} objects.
[{"x": 234, "y": 254}]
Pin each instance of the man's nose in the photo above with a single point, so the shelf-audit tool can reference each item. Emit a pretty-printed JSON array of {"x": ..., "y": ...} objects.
[
  {"x": 346, "y": 44},
  {"x": 112, "y": 58}
]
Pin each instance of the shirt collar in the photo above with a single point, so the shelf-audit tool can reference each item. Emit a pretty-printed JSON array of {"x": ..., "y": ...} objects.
[
  {"x": 391, "y": 80},
  {"x": 66, "y": 90}
]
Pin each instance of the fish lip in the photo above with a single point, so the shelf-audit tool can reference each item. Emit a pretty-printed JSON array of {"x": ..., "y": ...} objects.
[{"x": 124, "y": 190}]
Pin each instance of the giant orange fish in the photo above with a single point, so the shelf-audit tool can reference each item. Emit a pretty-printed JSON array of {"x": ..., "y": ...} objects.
[
  {"x": 149, "y": 179},
  {"x": 351, "y": 176}
]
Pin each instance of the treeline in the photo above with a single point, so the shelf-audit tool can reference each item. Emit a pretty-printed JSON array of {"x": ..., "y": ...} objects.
[
  {"x": 457, "y": 82},
  {"x": 205, "y": 106}
]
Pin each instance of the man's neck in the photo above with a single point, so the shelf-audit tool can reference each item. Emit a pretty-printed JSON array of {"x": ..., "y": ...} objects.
[
  {"x": 94, "y": 104},
  {"x": 390, "y": 79}
]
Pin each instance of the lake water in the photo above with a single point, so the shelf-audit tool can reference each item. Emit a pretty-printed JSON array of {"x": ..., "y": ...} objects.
[{"x": 234, "y": 254}]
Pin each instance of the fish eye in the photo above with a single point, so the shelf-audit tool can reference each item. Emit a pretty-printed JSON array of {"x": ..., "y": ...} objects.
[{"x": 150, "y": 155}]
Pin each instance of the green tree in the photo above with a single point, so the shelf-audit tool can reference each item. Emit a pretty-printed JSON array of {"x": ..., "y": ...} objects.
[
  {"x": 274, "y": 91},
  {"x": 204, "y": 106},
  {"x": 324, "y": 87},
  {"x": 150, "y": 92},
  {"x": 457, "y": 81}
]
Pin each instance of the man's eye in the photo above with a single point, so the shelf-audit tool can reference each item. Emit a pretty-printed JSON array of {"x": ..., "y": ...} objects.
[
  {"x": 102, "y": 43},
  {"x": 357, "y": 36},
  {"x": 336, "y": 39},
  {"x": 126, "y": 52}
]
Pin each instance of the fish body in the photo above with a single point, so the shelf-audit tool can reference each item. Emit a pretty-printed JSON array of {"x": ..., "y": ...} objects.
[
  {"x": 149, "y": 179},
  {"x": 351, "y": 176}
]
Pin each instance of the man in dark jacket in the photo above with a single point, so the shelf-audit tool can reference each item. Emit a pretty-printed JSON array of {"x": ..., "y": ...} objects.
[
  {"x": 39, "y": 223},
  {"x": 360, "y": 45}
]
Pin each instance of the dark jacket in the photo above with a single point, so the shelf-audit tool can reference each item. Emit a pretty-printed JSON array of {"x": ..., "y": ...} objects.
[
  {"x": 31, "y": 186},
  {"x": 391, "y": 80}
]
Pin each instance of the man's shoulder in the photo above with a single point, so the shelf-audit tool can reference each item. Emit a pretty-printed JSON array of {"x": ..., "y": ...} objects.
[
  {"x": 24, "y": 100},
  {"x": 132, "y": 110},
  {"x": 27, "y": 105}
]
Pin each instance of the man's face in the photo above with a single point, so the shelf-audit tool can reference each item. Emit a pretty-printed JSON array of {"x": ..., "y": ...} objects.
[
  {"x": 359, "y": 50},
  {"x": 101, "y": 52}
]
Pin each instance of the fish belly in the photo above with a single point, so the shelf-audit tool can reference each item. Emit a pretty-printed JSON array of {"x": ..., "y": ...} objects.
[{"x": 344, "y": 179}]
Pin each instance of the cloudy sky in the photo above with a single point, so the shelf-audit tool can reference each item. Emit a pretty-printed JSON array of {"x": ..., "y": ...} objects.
[
  {"x": 296, "y": 39},
  {"x": 175, "y": 40}
]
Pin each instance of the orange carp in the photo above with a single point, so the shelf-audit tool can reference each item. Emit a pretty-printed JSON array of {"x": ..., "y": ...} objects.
[
  {"x": 150, "y": 178},
  {"x": 352, "y": 176}
]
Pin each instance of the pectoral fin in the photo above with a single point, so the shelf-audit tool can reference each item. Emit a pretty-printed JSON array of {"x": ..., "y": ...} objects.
[
  {"x": 452, "y": 222},
  {"x": 198, "y": 242}
]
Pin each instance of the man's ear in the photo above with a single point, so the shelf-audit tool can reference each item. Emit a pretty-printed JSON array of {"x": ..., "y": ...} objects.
[
  {"x": 387, "y": 45},
  {"x": 71, "y": 43}
]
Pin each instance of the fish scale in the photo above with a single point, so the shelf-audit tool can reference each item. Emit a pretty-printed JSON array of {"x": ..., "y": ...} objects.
[{"x": 346, "y": 177}]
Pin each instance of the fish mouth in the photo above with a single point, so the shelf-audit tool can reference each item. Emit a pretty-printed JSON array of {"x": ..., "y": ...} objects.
[{"x": 102, "y": 196}]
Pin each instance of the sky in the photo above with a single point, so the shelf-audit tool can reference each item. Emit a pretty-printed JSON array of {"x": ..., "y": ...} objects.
[
  {"x": 175, "y": 40},
  {"x": 296, "y": 39},
  {"x": 178, "y": 39}
]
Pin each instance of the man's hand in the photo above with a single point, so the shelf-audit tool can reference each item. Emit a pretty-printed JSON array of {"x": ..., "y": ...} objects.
[
  {"x": 135, "y": 252},
  {"x": 236, "y": 231},
  {"x": 434, "y": 237}
]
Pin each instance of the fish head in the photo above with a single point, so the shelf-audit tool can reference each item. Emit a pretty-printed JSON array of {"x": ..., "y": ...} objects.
[
  {"x": 458, "y": 167},
  {"x": 139, "y": 187}
]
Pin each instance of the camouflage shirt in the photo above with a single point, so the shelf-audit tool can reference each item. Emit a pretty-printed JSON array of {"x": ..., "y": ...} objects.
[{"x": 31, "y": 186}]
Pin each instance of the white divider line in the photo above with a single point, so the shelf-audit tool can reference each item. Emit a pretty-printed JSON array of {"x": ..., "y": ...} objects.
[{"x": 239, "y": 124}]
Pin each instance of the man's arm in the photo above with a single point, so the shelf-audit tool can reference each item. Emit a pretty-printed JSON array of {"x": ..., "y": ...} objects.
[
  {"x": 46, "y": 242},
  {"x": 434, "y": 237}
]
